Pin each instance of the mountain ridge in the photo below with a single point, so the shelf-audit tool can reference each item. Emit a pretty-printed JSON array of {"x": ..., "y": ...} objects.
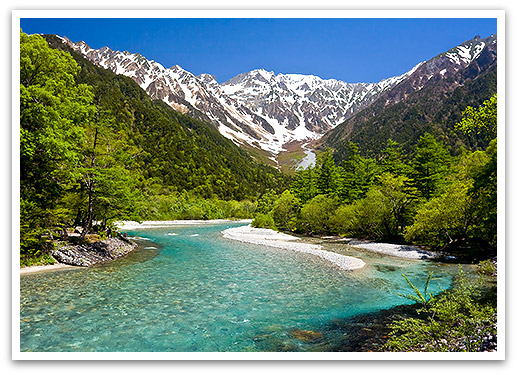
[
  {"x": 302, "y": 107},
  {"x": 267, "y": 110},
  {"x": 430, "y": 100}
]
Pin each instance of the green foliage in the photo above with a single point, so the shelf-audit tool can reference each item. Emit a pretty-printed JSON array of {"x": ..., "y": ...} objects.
[
  {"x": 367, "y": 217},
  {"x": 285, "y": 211},
  {"x": 398, "y": 197},
  {"x": 393, "y": 159},
  {"x": 484, "y": 191},
  {"x": 189, "y": 206},
  {"x": 430, "y": 198},
  {"x": 326, "y": 174},
  {"x": 41, "y": 260},
  {"x": 346, "y": 183},
  {"x": 382, "y": 214},
  {"x": 466, "y": 208},
  {"x": 480, "y": 120},
  {"x": 429, "y": 165},
  {"x": 53, "y": 113},
  {"x": 459, "y": 320},
  {"x": 357, "y": 174},
  {"x": 262, "y": 220},
  {"x": 487, "y": 268},
  {"x": 266, "y": 202},
  {"x": 443, "y": 219},
  {"x": 423, "y": 297},
  {"x": 304, "y": 184},
  {"x": 344, "y": 220},
  {"x": 315, "y": 215}
]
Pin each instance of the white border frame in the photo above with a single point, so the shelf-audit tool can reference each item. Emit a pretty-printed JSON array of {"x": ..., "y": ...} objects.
[{"x": 18, "y": 14}]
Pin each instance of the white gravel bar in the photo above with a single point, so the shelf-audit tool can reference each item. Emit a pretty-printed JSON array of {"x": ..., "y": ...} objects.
[
  {"x": 400, "y": 251},
  {"x": 271, "y": 238}
]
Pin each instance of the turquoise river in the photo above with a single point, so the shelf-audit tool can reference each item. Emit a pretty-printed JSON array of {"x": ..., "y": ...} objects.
[{"x": 188, "y": 289}]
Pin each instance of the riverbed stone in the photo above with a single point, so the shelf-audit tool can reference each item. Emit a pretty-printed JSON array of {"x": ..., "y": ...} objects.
[
  {"x": 89, "y": 254},
  {"x": 305, "y": 335}
]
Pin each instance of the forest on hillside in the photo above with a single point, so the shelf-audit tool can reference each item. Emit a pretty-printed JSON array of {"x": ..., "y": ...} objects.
[{"x": 94, "y": 149}]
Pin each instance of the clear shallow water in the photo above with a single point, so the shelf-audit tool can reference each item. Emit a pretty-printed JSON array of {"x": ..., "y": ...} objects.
[{"x": 192, "y": 290}]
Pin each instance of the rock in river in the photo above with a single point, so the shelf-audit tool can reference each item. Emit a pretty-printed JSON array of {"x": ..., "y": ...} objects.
[{"x": 93, "y": 253}]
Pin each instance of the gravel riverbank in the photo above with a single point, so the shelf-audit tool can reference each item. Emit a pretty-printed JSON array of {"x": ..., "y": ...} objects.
[{"x": 271, "y": 238}]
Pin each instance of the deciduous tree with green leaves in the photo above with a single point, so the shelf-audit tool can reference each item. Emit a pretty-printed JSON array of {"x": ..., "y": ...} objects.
[
  {"x": 315, "y": 215},
  {"x": 54, "y": 112},
  {"x": 481, "y": 120},
  {"x": 285, "y": 211}
]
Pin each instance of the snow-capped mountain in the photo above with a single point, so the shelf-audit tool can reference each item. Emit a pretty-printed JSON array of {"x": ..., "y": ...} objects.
[
  {"x": 305, "y": 104},
  {"x": 258, "y": 108},
  {"x": 428, "y": 100},
  {"x": 452, "y": 68},
  {"x": 264, "y": 109}
]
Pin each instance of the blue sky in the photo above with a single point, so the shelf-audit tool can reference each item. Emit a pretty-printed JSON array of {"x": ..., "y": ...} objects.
[{"x": 352, "y": 50}]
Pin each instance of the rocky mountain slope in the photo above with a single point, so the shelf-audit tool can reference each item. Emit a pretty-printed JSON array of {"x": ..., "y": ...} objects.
[
  {"x": 429, "y": 100},
  {"x": 257, "y": 108}
]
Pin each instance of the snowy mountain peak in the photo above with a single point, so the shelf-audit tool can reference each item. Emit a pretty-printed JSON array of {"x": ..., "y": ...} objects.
[
  {"x": 264, "y": 109},
  {"x": 469, "y": 50}
]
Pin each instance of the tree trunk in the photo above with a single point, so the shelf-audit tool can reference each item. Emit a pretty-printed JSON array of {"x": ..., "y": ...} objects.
[{"x": 90, "y": 184}]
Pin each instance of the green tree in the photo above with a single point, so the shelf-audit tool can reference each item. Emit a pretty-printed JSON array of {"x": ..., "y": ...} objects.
[
  {"x": 53, "y": 113},
  {"x": 484, "y": 190},
  {"x": 398, "y": 197},
  {"x": 108, "y": 177},
  {"x": 444, "y": 219},
  {"x": 326, "y": 174},
  {"x": 285, "y": 211},
  {"x": 266, "y": 202},
  {"x": 304, "y": 184},
  {"x": 367, "y": 217},
  {"x": 430, "y": 165},
  {"x": 484, "y": 199},
  {"x": 263, "y": 221},
  {"x": 381, "y": 214},
  {"x": 357, "y": 174},
  {"x": 315, "y": 215},
  {"x": 393, "y": 159},
  {"x": 480, "y": 120}
]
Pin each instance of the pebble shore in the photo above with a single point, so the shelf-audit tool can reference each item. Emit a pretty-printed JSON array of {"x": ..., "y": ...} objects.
[
  {"x": 400, "y": 251},
  {"x": 271, "y": 238}
]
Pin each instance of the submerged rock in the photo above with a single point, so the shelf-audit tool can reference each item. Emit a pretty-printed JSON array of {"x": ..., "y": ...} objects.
[
  {"x": 86, "y": 255},
  {"x": 305, "y": 335}
]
